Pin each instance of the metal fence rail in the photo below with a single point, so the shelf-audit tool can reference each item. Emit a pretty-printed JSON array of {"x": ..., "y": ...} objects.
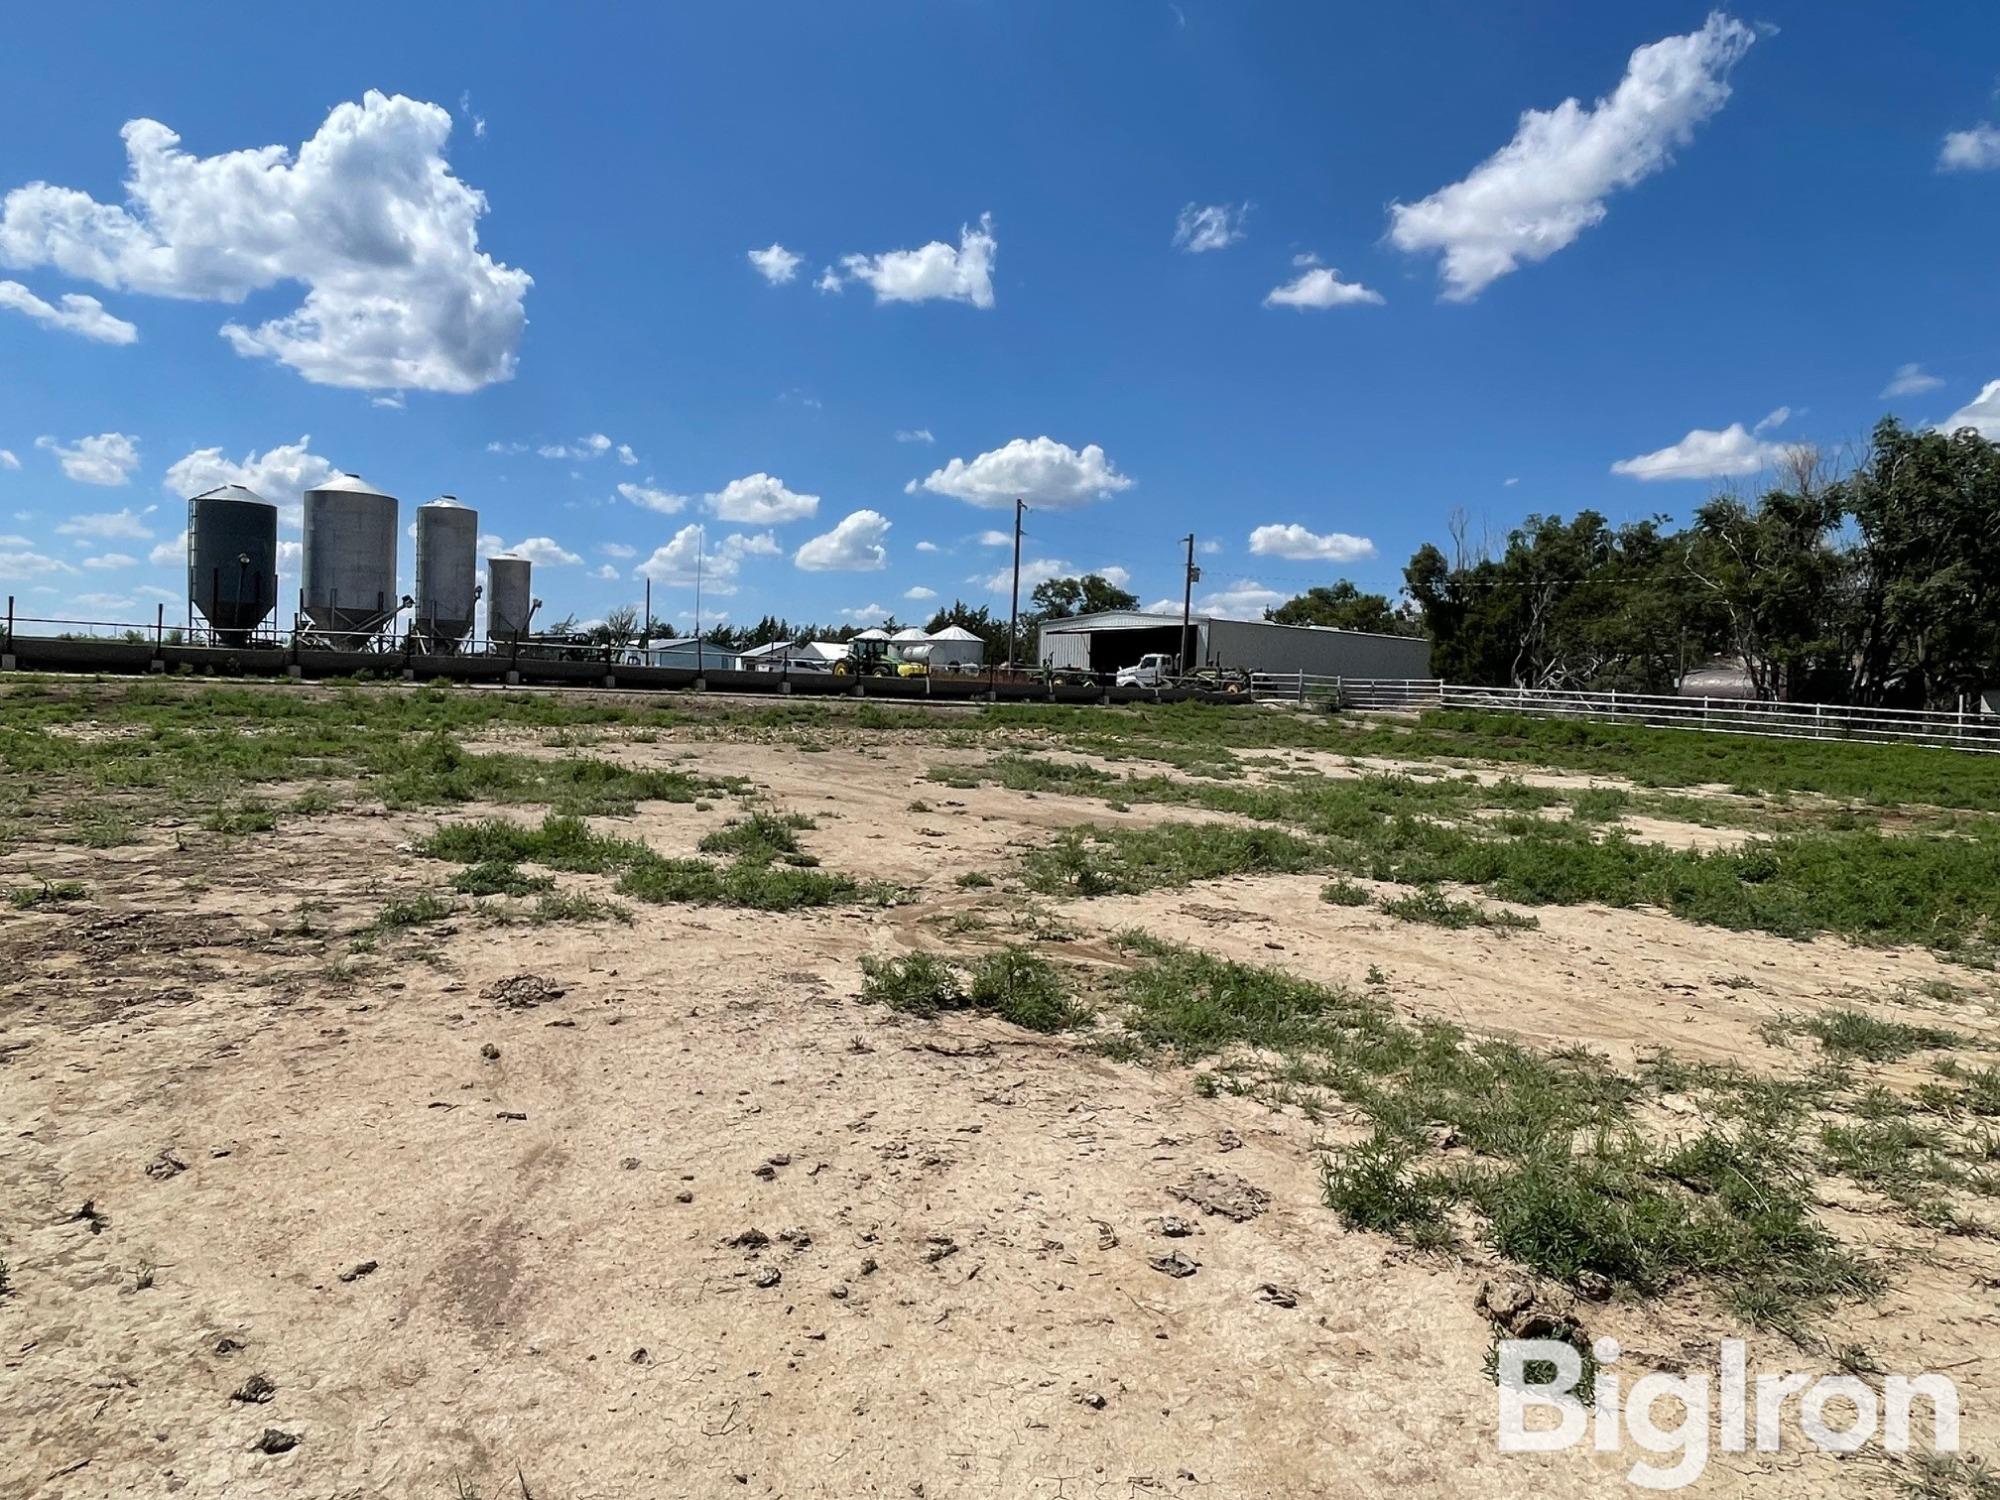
[
  {"x": 1391, "y": 692},
  {"x": 1966, "y": 729},
  {"x": 1295, "y": 687}
]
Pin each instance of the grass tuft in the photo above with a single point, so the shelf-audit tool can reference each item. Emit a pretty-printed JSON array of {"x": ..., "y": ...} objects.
[
  {"x": 1432, "y": 907},
  {"x": 1851, "y": 1034}
]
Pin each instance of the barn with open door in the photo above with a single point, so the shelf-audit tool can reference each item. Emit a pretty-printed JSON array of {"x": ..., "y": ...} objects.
[{"x": 1105, "y": 642}]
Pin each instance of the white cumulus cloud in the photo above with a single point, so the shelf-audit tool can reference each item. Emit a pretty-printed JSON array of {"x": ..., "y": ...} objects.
[
  {"x": 366, "y": 216},
  {"x": 919, "y": 594},
  {"x": 542, "y": 551},
  {"x": 1040, "y": 470},
  {"x": 1034, "y": 570},
  {"x": 1545, "y": 187},
  {"x": 928, "y": 547},
  {"x": 109, "y": 562},
  {"x": 114, "y": 525},
  {"x": 1909, "y": 380},
  {"x": 1703, "y": 454},
  {"x": 936, "y": 272},
  {"x": 78, "y": 314},
  {"x": 915, "y": 435},
  {"x": 854, "y": 546},
  {"x": 591, "y": 445},
  {"x": 616, "y": 549},
  {"x": 1320, "y": 287},
  {"x": 8, "y": 460},
  {"x": 1243, "y": 600},
  {"x": 776, "y": 264},
  {"x": 19, "y": 562},
  {"x": 761, "y": 500},
  {"x": 1974, "y": 150},
  {"x": 648, "y": 498},
  {"x": 281, "y": 474},
  {"x": 1981, "y": 413},
  {"x": 108, "y": 458},
  {"x": 1299, "y": 544},
  {"x": 684, "y": 559},
  {"x": 1214, "y": 226}
]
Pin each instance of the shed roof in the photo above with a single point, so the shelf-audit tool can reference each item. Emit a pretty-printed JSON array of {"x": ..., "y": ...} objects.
[{"x": 1138, "y": 619}]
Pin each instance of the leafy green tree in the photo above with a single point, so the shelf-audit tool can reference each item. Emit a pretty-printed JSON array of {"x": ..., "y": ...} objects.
[
  {"x": 1061, "y": 598},
  {"x": 1344, "y": 607},
  {"x": 1926, "y": 587},
  {"x": 1769, "y": 578},
  {"x": 1566, "y": 604}
]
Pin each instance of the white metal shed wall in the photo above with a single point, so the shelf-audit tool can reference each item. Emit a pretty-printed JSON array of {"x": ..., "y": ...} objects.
[{"x": 1328, "y": 653}]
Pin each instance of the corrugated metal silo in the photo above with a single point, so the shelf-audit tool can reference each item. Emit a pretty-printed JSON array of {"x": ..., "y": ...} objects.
[
  {"x": 447, "y": 571},
  {"x": 510, "y": 602},
  {"x": 232, "y": 560},
  {"x": 349, "y": 588}
]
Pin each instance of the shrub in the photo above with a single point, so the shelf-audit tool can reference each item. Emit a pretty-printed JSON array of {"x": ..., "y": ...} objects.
[
  {"x": 1025, "y": 990},
  {"x": 918, "y": 984}
]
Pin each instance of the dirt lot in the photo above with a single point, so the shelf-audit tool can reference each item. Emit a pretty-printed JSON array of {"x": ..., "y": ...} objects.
[{"x": 698, "y": 1221}]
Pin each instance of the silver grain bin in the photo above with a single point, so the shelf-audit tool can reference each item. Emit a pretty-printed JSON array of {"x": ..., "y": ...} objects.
[
  {"x": 510, "y": 602},
  {"x": 349, "y": 590},
  {"x": 447, "y": 572},
  {"x": 232, "y": 542}
]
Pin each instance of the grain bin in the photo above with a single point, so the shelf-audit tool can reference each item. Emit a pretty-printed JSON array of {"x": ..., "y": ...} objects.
[
  {"x": 349, "y": 590},
  {"x": 447, "y": 582},
  {"x": 510, "y": 603},
  {"x": 232, "y": 549}
]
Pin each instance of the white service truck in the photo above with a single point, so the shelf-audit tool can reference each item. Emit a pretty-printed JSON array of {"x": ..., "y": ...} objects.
[{"x": 1156, "y": 669}]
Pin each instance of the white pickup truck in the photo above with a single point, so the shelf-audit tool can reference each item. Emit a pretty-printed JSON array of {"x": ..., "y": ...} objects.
[{"x": 1155, "y": 670}]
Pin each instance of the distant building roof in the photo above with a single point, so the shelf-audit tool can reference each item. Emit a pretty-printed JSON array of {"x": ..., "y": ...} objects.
[{"x": 1139, "y": 619}]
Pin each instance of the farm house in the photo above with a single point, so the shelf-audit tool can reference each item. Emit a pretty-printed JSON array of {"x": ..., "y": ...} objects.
[{"x": 1105, "y": 642}]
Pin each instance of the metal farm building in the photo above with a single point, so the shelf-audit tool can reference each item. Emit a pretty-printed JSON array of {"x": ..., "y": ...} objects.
[{"x": 1106, "y": 642}]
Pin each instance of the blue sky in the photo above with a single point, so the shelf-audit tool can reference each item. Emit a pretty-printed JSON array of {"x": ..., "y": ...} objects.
[{"x": 1302, "y": 279}]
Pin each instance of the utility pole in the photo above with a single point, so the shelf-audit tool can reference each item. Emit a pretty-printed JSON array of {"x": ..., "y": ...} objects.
[
  {"x": 1187, "y": 603},
  {"x": 1014, "y": 611}
]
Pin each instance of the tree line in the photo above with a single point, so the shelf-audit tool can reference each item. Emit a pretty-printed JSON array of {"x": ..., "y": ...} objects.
[{"x": 1877, "y": 586}]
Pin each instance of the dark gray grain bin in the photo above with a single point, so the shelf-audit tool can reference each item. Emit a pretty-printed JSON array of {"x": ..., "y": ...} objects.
[
  {"x": 349, "y": 588},
  {"x": 232, "y": 541},
  {"x": 510, "y": 603},
  {"x": 447, "y": 580}
]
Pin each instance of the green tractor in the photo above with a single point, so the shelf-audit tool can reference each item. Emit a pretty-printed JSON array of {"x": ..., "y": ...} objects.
[{"x": 865, "y": 658}]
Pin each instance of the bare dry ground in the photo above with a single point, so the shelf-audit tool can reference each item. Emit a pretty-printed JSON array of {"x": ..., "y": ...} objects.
[{"x": 703, "y": 1223}]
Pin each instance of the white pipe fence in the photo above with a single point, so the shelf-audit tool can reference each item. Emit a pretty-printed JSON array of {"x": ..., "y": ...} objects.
[{"x": 1966, "y": 728}]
